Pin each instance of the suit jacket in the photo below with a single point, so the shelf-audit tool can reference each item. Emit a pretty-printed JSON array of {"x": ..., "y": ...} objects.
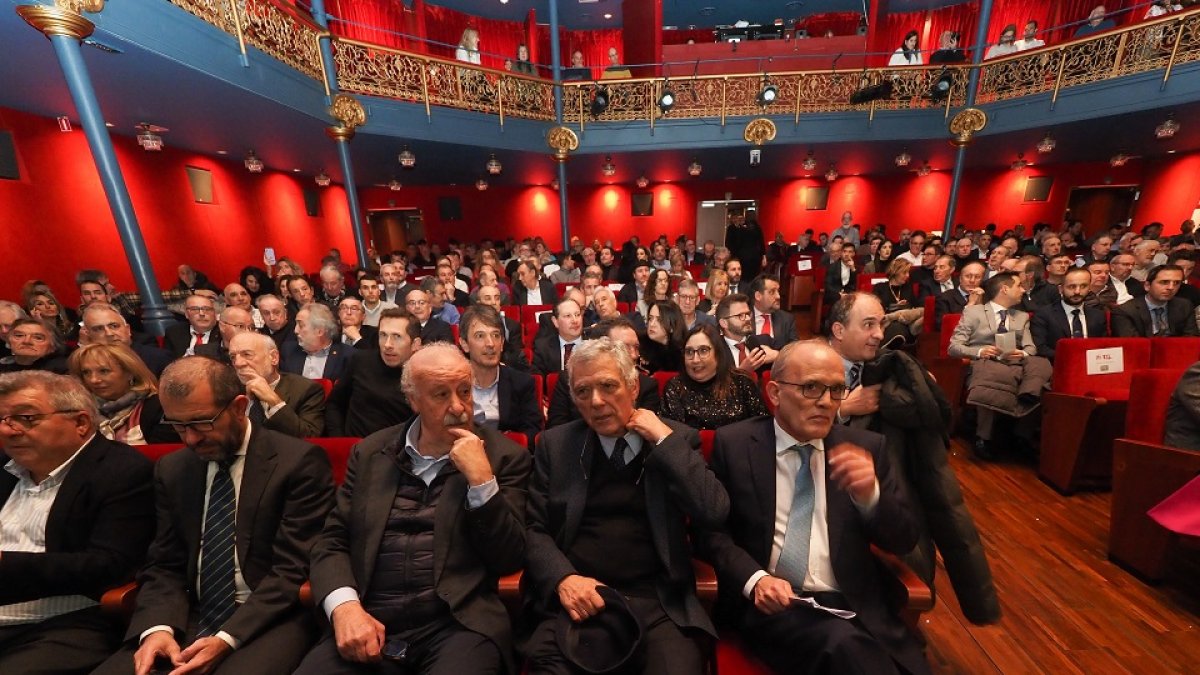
[
  {"x": 948, "y": 302},
  {"x": 472, "y": 549},
  {"x": 834, "y": 285},
  {"x": 97, "y": 529},
  {"x": 547, "y": 355},
  {"x": 977, "y": 329},
  {"x": 514, "y": 346},
  {"x": 283, "y": 336},
  {"x": 783, "y": 324},
  {"x": 930, "y": 287},
  {"x": 744, "y": 461},
  {"x": 519, "y": 410},
  {"x": 562, "y": 408},
  {"x": 304, "y": 414},
  {"x": 1051, "y": 324},
  {"x": 1182, "y": 428},
  {"x": 628, "y": 293},
  {"x": 291, "y": 359},
  {"x": 155, "y": 358},
  {"x": 178, "y": 338},
  {"x": 1132, "y": 318},
  {"x": 368, "y": 338},
  {"x": 285, "y": 494},
  {"x": 436, "y": 330},
  {"x": 521, "y": 294},
  {"x": 679, "y": 487}
]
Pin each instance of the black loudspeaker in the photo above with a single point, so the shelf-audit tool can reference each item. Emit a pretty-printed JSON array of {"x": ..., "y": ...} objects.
[
  {"x": 8, "y": 158},
  {"x": 1037, "y": 188},
  {"x": 642, "y": 204},
  {"x": 874, "y": 92},
  {"x": 201, "y": 182},
  {"x": 816, "y": 198},
  {"x": 312, "y": 202},
  {"x": 449, "y": 208}
]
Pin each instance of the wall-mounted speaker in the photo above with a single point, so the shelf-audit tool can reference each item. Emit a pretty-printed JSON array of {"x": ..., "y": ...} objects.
[
  {"x": 642, "y": 203},
  {"x": 312, "y": 201},
  {"x": 201, "y": 182},
  {"x": 816, "y": 198},
  {"x": 1037, "y": 188},
  {"x": 449, "y": 208}
]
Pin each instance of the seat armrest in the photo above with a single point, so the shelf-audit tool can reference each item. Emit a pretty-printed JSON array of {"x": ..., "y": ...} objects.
[
  {"x": 706, "y": 584},
  {"x": 912, "y": 591},
  {"x": 510, "y": 587},
  {"x": 120, "y": 601},
  {"x": 306, "y": 598}
]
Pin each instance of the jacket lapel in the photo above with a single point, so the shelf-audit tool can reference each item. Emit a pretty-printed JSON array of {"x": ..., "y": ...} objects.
[
  {"x": 762, "y": 472},
  {"x": 194, "y": 483},
  {"x": 836, "y": 501},
  {"x": 454, "y": 495},
  {"x": 261, "y": 460},
  {"x": 576, "y": 478},
  {"x": 72, "y": 487},
  {"x": 503, "y": 393}
]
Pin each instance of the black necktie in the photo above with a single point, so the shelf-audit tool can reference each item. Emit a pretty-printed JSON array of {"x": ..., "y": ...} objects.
[
  {"x": 216, "y": 554},
  {"x": 618, "y": 454},
  {"x": 257, "y": 415},
  {"x": 1001, "y": 325},
  {"x": 1076, "y": 324},
  {"x": 855, "y": 375}
]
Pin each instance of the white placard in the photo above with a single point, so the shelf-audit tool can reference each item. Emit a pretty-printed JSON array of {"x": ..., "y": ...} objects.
[
  {"x": 803, "y": 265},
  {"x": 1105, "y": 361},
  {"x": 881, "y": 280}
]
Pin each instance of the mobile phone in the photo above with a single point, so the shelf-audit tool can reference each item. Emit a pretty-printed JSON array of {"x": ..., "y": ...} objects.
[
  {"x": 269, "y": 255},
  {"x": 396, "y": 649}
]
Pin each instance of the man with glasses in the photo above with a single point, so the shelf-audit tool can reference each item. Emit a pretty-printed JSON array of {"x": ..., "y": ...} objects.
[
  {"x": 688, "y": 299},
  {"x": 797, "y": 571},
  {"x": 750, "y": 352},
  {"x": 769, "y": 320},
  {"x": 419, "y": 304},
  {"x": 355, "y": 333},
  {"x": 239, "y": 510},
  {"x": 104, "y": 324},
  {"x": 182, "y": 339},
  {"x": 233, "y": 320},
  {"x": 78, "y": 514}
]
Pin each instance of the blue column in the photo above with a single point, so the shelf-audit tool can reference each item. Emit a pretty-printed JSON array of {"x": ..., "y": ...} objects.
[
  {"x": 960, "y": 158},
  {"x": 360, "y": 243},
  {"x": 556, "y": 70},
  {"x": 324, "y": 43}
]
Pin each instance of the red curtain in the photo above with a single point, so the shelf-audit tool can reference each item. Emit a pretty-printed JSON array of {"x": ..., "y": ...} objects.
[
  {"x": 963, "y": 18},
  {"x": 593, "y": 43},
  {"x": 682, "y": 35},
  {"x": 498, "y": 39},
  {"x": 1017, "y": 13},
  {"x": 889, "y": 33},
  {"x": 381, "y": 22},
  {"x": 841, "y": 23}
]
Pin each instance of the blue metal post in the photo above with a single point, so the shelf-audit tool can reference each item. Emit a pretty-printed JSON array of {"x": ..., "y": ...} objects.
[
  {"x": 556, "y": 70},
  {"x": 977, "y": 49},
  {"x": 325, "y": 45},
  {"x": 360, "y": 243}
]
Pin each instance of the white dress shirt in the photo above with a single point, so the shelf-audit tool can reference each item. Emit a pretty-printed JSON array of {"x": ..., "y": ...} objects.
[
  {"x": 314, "y": 363},
  {"x": 1082, "y": 316},
  {"x": 486, "y": 401},
  {"x": 533, "y": 296}
]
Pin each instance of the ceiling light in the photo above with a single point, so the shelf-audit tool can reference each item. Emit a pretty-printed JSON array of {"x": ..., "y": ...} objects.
[
  {"x": 694, "y": 168},
  {"x": 1046, "y": 144},
  {"x": 903, "y": 158},
  {"x": 832, "y": 174},
  {"x": 642, "y": 181},
  {"x": 493, "y": 166},
  {"x": 768, "y": 94},
  {"x": 599, "y": 101},
  {"x": 1167, "y": 129},
  {"x": 608, "y": 168},
  {"x": 481, "y": 185},
  {"x": 295, "y": 170},
  {"x": 150, "y": 141},
  {"x": 810, "y": 162},
  {"x": 407, "y": 159},
  {"x": 222, "y": 152},
  {"x": 607, "y": 15},
  {"x": 924, "y": 170},
  {"x": 1119, "y": 159},
  {"x": 253, "y": 163},
  {"x": 394, "y": 185},
  {"x": 322, "y": 179},
  {"x": 667, "y": 100},
  {"x": 1019, "y": 163},
  {"x": 109, "y": 125}
]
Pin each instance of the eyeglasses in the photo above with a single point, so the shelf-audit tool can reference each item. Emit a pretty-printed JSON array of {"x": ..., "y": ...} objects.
[
  {"x": 238, "y": 326},
  {"x": 742, "y": 316},
  {"x": 200, "y": 309},
  {"x": 815, "y": 390},
  {"x": 198, "y": 425},
  {"x": 27, "y": 421},
  {"x": 684, "y": 296},
  {"x": 692, "y": 352}
]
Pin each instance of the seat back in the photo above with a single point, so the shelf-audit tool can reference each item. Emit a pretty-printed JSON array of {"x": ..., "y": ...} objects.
[
  {"x": 338, "y": 450},
  {"x": 930, "y": 310},
  {"x": 563, "y": 287},
  {"x": 156, "y": 451},
  {"x": 698, "y": 272},
  {"x": 511, "y": 311},
  {"x": 1070, "y": 367},
  {"x": 866, "y": 282},
  {"x": 792, "y": 268},
  {"x": 663, "y": 377},
  {"x": 538, "y": 386},
  {"x": 949, "y": 323},
  {"x": 326, "y": 384},
  {"x": 707, "y": 436},
  {"x": 454, "y": 332},
  {"x": 551, "y": 383},
  {"x": 518, "y": 438},
  {"x": 1174, "y": 352},
  {"x": 1150, "y": 392},
  {"x": 529, "y": 320}
]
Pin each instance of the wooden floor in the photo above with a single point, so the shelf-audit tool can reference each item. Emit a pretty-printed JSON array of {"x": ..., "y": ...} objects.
[{"x": 1066, "y": 608}]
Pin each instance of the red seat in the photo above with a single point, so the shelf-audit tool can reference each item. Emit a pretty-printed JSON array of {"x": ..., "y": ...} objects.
[
  {"x": 338, "y": 451},
  {"x": 518, "y": 438},
  {"x": 763, "y": 378},
  {"x": 327, "y": 385},
  {"x": 551, "y": 383},
  {"x": 866, "y": 282},
  {"x": 707, "y": 436},
  {"x": 511, "y": 311},
  {"x": 1085, "y": 412},
  {"x": 949, "y": 323},
  {"x": 156, "y": 451},
  {"x": 454, "y": 332},
  {"x": 624, "y": 307},
  {"x": 562, "y": 288},
  {"x": 697, "y": 271},
  {"x": 950, "y": 373},
  {"x": 663, "y": 377},
  {"x": 1174, "y": 352},
  {"x": 1150, "y": 392},
  {"x": 927, "y": 341},
  {"x": 1144, "y": 474},
  {"x": 538, "y": 386}
]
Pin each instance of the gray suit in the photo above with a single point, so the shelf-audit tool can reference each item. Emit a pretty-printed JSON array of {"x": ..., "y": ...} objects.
[{"x": 977, "y": 329}]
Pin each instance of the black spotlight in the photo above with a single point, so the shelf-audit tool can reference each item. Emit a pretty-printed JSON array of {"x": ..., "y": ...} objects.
[
  {"x": 874, "y": 92},
  {"x": 599, "y": 101},
  {"x": 942, "y": 85},
  {"x": 768, "y": 95},
  {"x": 667, "y": 100}
]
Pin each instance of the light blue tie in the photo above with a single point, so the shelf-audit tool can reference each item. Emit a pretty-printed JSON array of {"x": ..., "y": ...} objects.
[{"x": 793, "y": 557}]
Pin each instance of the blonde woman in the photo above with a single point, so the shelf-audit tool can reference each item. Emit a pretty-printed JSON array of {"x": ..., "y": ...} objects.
[
  {"x": 468, "y": 47},
  {"x": 126, "y": 393},
  {"x": 714, "y": 292}
]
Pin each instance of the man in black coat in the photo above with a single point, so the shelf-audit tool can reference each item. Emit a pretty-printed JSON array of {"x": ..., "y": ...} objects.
[
  {"x": 104, "y": 323},
  {"x": 968, "y": 292},
  {"x": 562, "y": 408},
  {"x": 83, "y": 505},
  {"x": 200, "y": 329},
  {"x": 551, "y": 353},
  {"x": 769, "y": 320},
  {"x": 419, "y": 304},
  {"x": 531, "y": 288},
  {"x": 1158, "y": 313},
  {"x": 316, "y": 354},
  {"x": 367, "y": 397},
  {"x": 1069, "y": 318}
]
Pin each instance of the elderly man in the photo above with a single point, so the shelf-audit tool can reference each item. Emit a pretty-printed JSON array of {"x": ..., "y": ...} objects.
[
  {"x": 333, "y": 287},
  {"x": 276, "y": 322},
  {"x": 9, "y": 313},
  {"x": 968, "y": 292},
  {"x": 367, "y": 397},
  {"x": 1121, "y": 271},
  {"x": 552, "y": 353},
  {"x": 1100, "y": 249},
  {"x": 609, "y": 505},
  {"x": 1158, "y": 313},
  {"x": 963, "y": 251},
  {"x": 916, "y": 247},
  {"x": 238, "y": 510},
  {"x": 182, "y": 339},
  {"x": 78, "y": 514},
  {"x": 316, "y": 354},
  {"x": 103, "y": 324},
  {"x": 372, "y": 300},
  {"x": 440, "y": 305},
  {"x": 233, "y": 320},
  {"x": 941, "y": 278},
  {"x": 513, "y": 354},
  {"x": 688, "y": 299},
  {"x": 504, "y": 397},
  {"x": 562, "y": 407},
  {"x": 355, "y": 333},
  {"x": 419, "y": 303},
  {"x": 394, "y": 286},
  {"x": 35, "y": 346},
  {"x": 847, "y": 230},
  {"x": 1144, "y": 258},
  {"x": 531, "y": 288},
  {"x": 430, "y": 514},
  {"x": 809, "y": 498},
  {"x": 283, "y": 402},
  {"x": 236, "y": 295}
]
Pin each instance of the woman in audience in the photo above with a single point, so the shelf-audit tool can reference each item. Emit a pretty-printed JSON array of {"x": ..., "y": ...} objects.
[
  {"x": 665, "y": 330},
  {"x": 679, "y": 270},
  {"x": 256, "y": 281},
  {"x": 714, "y": 291},
  {"x": 522, "y": 64},
  {"x": 1007, "y": 44},
  {"x": 126, "y": 393},
  {"x": 907, "y": 54},
  {"x": 900, "y": 305},
  {"x": 881, "y": 259},
  {"x": 709, "y": 392},
  {"x": 281, "y": 285},
  {"x": 43, "y": 305},
  {"x": 488, "y": 257},
  {"x": 286, "y": 267},
  {"x": 468, "y": 47},
  {"x": 658, "y": 288}
]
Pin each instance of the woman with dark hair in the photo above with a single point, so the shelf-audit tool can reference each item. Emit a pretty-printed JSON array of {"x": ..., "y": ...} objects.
[
  {"x": 881, "y": 259},
  {"x": 665, "y": 331},
  {"x": 256, "y": 281},
  {"x": 710, "y": 392},
  {"x": 658, "y": 288},
  {"x": 907, "y": 54},
  {"x": 126, "y": 394}
]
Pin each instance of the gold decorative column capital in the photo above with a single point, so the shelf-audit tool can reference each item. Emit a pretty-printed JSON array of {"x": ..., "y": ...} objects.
[
  {"x": 759, "y": 131},
  {"x": 965, "y": 124},
  {"x": 64, "y": 17},
  {"x": 563, "y": 141},
  {"x": 348, "y": 112},
  {"x": 339, "y": 132}
]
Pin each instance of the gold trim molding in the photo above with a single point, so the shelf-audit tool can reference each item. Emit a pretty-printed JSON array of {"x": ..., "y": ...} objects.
[
  {"x": 62, "y": 19},
  {"x": 563, "y": 141},
  {"x": 339, "y": 132},
  {"x": 965, "y": 124},
  {"x": 348, "y": 111},
  {"x": 759, "y": 131}
]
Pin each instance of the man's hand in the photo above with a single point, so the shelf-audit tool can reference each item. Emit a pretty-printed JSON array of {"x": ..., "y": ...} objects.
[
  {"x": 861, "y": 401},
  {"x": 975, "y": 297},
  {"x": 647, "y": 425},
  {"x": 772, "y": 595},
  {"x": 989, "y": 352},
  {"x": 359, "y": 636},
  {"x": 202, "y": 656},
  {"x": 470, "y": 457},
  {"x": 353, "y": 332},
  {"x": 852, "y": 469},
  {"x": 577, "y": 594},
  {"x": 769, "y": 353},
  {"x": 258, "y": 387},
  {"x": 157, "y": 644},
  {"x": 755, "y": 359},
  {"x": 1014, "y": 356}
]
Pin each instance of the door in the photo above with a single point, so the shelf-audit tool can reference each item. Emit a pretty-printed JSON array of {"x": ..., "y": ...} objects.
[
  {"x": 392, "y": 229},
  {"x": 1101, "y": 206}
]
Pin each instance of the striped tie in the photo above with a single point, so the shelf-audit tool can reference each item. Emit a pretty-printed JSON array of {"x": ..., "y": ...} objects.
[
  {"x": 216, "y": 554},
  {"x": 793, "y": 555}
]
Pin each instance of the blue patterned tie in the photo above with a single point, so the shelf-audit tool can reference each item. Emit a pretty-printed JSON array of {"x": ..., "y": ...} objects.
[
  {"x": 793, "y": 557},
  {"x": 216, "y": 554},
  {"x": 1159, "y": 320}
]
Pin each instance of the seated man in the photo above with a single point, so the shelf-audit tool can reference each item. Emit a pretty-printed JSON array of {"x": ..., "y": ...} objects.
[
  {"x": 372, "y": 300},
  {"x": 968, "y": 292},
  {"x": 504, "y": 397},
  {"x": 531, "y": 288},
  {"x": 9, "y": 312},
  {"x": 231, "y": 321},
  {"x": 430, "y": 515},
  {"x": 1070, "y": 318},
  {"x": 333, "y": 287},
  {"x": 940, "y": 279},
  {"x": 182, "y": 339},
  {"x": 769, "y": 320},
  {"x": 355, "y": 333},
  {"x": 316, "y": 354},
  {"x": 238, "y": 511},
  {"x": 618, "y": 480},
  {"x": 513, "y": 354},
  {"x": 78, "y": 514},
  {"x": 35, "y": 346},
  {"x": 634, "y": 293},
  {"x": 1007, "y": 376},
  {"x": 441, "y": 306},
  {"x": 283, "y": 402},
  {"x": 808, "y": 499},
  {"x": 367, "y": 397},
  {"x": 104, "y": 324},
  {"x": 562, "y": 405},
  {"x": 276, "y": 322},
  {"x": 1158, "y": 313},
  {"x": 419, "y": 304},
  {"x": 236, "y": 295},
  {"x": 552, "y": 353},
  {"x": 750, "y": 352},
  {"x": 1182, "y": 429}
]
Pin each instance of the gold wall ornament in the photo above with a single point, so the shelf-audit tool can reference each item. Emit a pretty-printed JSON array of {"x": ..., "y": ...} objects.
[
  {"x": 339, "y": 132},
  {"x": 563, "y": 141},
  {"x": 965, "y": 124},
  {"x": 759, "y": 131},
  {"x": 80, "y": 6},
  {"x": 60, "y": 20},
  {"x": 348, "y": 111}
]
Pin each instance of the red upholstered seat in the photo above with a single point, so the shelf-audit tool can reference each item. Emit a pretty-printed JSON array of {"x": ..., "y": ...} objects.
[
  {"x": 562, "y": 288},
  {"x": 338, "y": 451},
  {"x": 697, "y": 271},
  {"x": 624, "y": 307},
  {"x": 866, "y": 282},
  {"x": 551, "y": 383},
  {"x": 326, "y": 384},
  {"x": 1070, "y": 366},
  {"x": 1174, "y": 352},
  {"x": 663, "y": 377},
  {"x": 454, "y": 332},
  {"x": 518, "y": 438},
  {"x": 511, "y": 311},
  {"x": 949, "y": 323},
  {"x": 1150, "y": 392},
  {"x": 156, "y": 451},
  {"x": 707, "y": 436}
]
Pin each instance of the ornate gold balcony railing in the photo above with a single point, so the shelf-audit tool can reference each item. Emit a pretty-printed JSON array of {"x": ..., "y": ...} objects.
[{"x": 292, "y": 37}]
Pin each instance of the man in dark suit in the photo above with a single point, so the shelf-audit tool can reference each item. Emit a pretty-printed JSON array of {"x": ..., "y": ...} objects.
[
  {"x": 531, "y": 288},
  {"x": 562, "y": 408},
  {"x": 1070, "y": 318},
  {"x": 419, "y": 304},
  {"x": 1182, "y": 428},
  {"x": 78, "y": 516},
  {"x": 619, "y": 479},
  {"x": 940, "y": 279},
  {"x": 633, "y": 293},
  {"x": 316, "y": 354},
  {"x": 238, "y": 511},
  {"x": 355, "y": 333},
  {"x": 513, "y": 354},
  {"x": 1158, "y": 313},
  {"x": 104, "y": 323},
  {"x": 769, "y": 320},
  {"x": 504, "y": 398},
  {"x": 430, "y": 515},
  {"x": 752, "y": 353},
  {"x": 283, "y": 402},
  {"x": 200, "y": 329},
  {"x": 551, "y": 353},
  {"x": 367, "y": 398},
  {"x": 841, "y": 276},
  {"x": 808, "y": 499},
  {"x": 968, "y": 292},
  {"x": 276, "y": 322}
]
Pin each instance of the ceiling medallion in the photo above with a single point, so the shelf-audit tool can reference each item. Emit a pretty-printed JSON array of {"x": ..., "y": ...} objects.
[
  {"x": 966, "y": 124},
  {"x": 563, "y": 141},
  {"x": 759, "y": 131}
]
